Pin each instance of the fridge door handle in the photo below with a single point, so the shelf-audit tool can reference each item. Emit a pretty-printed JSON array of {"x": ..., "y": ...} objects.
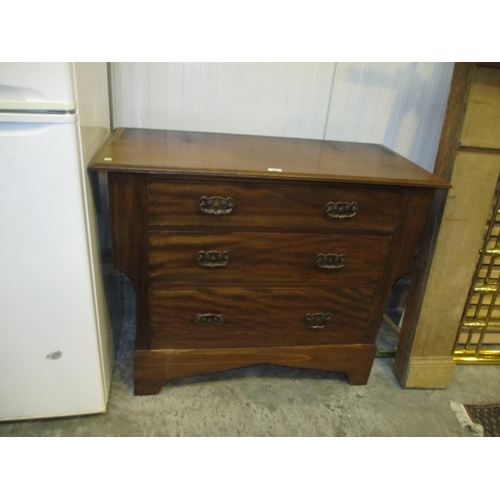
[{"x": 9, "y": 117}]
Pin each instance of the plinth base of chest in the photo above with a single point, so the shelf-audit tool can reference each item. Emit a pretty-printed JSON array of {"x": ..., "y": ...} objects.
[{"x": 153, "y": 368}]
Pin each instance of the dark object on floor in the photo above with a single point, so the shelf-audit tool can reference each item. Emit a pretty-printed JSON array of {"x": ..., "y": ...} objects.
[{"x": 488, "y": 416}]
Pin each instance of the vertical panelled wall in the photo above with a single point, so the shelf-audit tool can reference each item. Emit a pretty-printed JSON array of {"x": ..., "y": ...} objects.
[{"x": 400, "y": 105}]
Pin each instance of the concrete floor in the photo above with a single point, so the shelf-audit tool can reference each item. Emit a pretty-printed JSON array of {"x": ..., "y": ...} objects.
[
  {"x": 272, "y": 401},
  {"x": 269, "y": 401}
]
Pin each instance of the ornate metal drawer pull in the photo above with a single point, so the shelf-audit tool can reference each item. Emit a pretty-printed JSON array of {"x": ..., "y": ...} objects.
[
  {"x": 209, "y": 319},
  {"x": 330, "y": 260},
  {"x": 318, "y": 320},
  {"x": 341, "y": 209},
  {"x": 213, "y": 258},
  {"x": 216, "y": 205}
]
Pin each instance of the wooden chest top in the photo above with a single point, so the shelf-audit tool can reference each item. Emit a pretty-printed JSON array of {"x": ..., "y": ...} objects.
[{"x": 273, "y": 158}]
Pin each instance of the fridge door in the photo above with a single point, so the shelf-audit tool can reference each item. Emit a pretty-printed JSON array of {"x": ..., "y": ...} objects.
[
  {"x": 37, "y": 86},
  {"x": 50, "y": 354}
]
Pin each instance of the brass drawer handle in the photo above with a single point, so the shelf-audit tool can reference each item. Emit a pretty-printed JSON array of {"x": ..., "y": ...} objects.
[
  {"x": 318, "y": 320},
  {"x": 330, "y": 261},
  {"x": 209, "y": 319},
  {"x": 213, "y": 258},
  {"x": 216, "y": 205},
  {"x": 341, "y": 209}
]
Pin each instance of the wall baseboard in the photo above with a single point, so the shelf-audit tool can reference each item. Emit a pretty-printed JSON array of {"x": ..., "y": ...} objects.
[{"x": 429, "y": 373}]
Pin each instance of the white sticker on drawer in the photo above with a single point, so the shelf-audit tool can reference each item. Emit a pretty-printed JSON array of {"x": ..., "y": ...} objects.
[{"x": 275, "y": 170}]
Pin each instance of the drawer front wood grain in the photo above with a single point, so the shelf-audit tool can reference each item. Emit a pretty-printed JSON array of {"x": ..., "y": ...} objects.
[
  {"x": 273, "y": 205},
  {"x": 253, "y": 257},
  {"x": 258, "y": 317}
]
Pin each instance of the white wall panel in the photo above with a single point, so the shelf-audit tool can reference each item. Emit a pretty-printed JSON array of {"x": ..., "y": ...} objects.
[
  {"x": 400, "y": 105},
  {"x": 279, "y": 99},
  {"x": 157, "y": 95},
  {"x": 436, "y": 108},
  {"x": 140, "y": 92},
  {"x": 121, "y": 93}
]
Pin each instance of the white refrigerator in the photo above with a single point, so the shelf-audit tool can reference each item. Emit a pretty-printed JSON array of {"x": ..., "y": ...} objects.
[{"x": 56, "y": 353}]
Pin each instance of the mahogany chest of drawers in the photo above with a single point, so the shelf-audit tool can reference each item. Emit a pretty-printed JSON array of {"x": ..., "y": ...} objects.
[{"x": 246, "y": 250}]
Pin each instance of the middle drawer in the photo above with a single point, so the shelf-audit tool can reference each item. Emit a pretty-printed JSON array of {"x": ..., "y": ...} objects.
[{"x": 247, "y": 258}]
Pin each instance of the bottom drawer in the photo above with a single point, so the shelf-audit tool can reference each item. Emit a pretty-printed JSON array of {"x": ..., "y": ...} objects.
[{"x": 258, "y": 317}]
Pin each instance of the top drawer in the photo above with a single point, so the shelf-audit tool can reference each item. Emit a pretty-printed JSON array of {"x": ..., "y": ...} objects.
[{"x": 228, "y": 204}]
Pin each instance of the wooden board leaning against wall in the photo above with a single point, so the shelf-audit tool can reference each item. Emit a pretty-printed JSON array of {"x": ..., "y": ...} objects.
[{"x": 468, "y": 158}]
